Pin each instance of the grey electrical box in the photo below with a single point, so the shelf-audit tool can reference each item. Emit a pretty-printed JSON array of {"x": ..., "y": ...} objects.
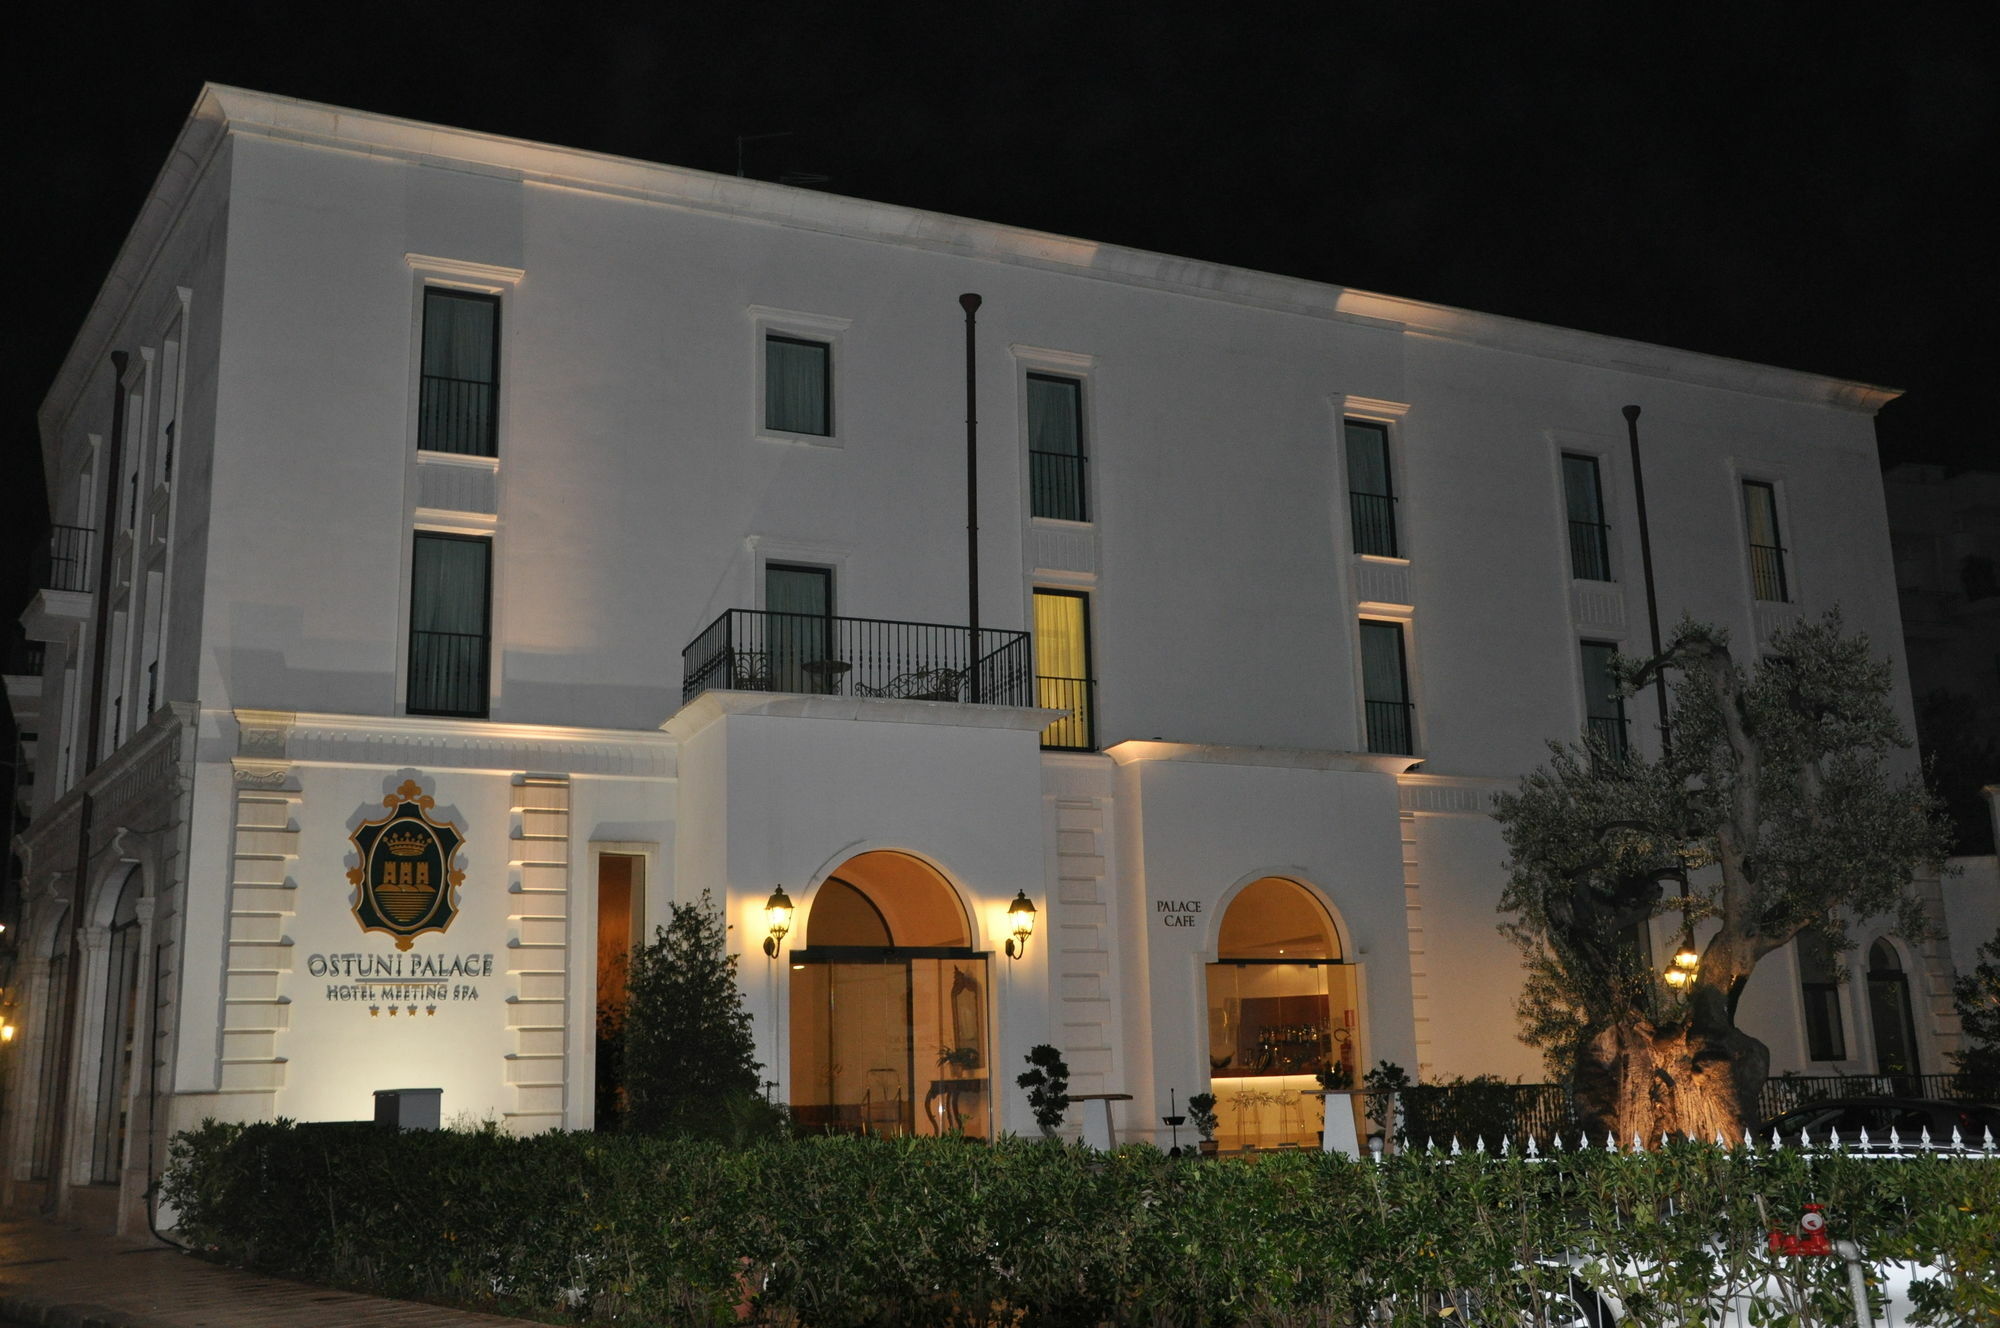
[{"x": 408, "y": 1108}]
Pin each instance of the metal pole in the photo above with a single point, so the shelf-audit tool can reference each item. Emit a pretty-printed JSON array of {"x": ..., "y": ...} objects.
[
  {"x": 1646, "y": 562},
  {"x": 970, "y": 303}
]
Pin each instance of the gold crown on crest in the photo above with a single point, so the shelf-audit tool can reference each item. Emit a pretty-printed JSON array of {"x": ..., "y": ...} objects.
[{"x": 406, "y": 843}]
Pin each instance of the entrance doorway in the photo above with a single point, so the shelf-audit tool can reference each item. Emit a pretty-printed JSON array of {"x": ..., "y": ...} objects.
[
  {"x": 889, "y": 1006},
  {"x": 1281, "y": 1008}
]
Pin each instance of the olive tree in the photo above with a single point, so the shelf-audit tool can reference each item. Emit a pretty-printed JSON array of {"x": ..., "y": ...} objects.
[{"x": 1772, "y": 810}]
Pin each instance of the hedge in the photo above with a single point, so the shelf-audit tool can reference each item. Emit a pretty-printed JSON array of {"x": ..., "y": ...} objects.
[{"x": 845, "y": 1231}]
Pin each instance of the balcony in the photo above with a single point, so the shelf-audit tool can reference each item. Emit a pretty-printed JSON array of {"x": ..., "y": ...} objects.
[{"x": 749, "y": 650}]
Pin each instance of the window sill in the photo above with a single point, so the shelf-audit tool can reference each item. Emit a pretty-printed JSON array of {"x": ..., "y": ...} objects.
[
  {"x": 465, "y": 459},
  {"x": 825, "y": 440},
  {"x": 1060, "y": 523}
]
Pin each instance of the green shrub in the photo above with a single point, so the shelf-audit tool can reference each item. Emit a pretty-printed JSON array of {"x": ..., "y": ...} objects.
[
  {"x": 687, "y": 1040},
  {"x": 841, "y": 1231}
]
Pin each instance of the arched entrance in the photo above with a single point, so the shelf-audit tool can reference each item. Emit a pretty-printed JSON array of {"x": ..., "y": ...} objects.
[
  {"x": 889, "y": 1005},
  {"x": 1281, "y": 1008},
  {"x": 1889, "y": 1015}
]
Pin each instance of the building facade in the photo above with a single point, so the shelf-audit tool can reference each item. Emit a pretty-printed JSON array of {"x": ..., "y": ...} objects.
[{"x": 468, "y": 548}]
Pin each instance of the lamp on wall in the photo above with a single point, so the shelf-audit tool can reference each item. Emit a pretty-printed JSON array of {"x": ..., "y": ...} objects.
[
  {"x": 1682, "y": 971},
  {"x": 1021, "y": 915},
  {"x": 778, "y": 918}
]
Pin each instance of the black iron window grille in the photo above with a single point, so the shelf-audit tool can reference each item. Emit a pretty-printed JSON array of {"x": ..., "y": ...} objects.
[
  {"x": 1055, "y": 448},
  {"x": 1589, "y": 533},
  {"x": 450, "y": 607},
  {"x": 1767, "y": 550},
  {"x": 1385, "y": 687},
  {"x": 1371, "y": 495},
  {"x": 65, "y": 565},
  {"x": 1603, "y": 705},
  {"x": 458, "y": 395}
]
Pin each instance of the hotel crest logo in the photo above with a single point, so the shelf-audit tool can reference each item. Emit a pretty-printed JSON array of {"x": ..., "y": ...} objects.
[{"x": 406, "y": 879}]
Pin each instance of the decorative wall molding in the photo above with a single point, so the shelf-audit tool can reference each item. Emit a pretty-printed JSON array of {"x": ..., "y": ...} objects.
[
  {"x": 1383, "y": 584},
  {"x": 537, "y": 960},
  {"x": 1449, "y": 794},
  {"x": 301, "y": 738},
  {"x": 1284, "y": 758},
  {"x": 1597, "y": 606}
]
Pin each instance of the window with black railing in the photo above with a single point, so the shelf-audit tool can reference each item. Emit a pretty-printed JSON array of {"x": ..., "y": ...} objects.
[
  {"x": 1063, "y": 668},
  {"x": 458, "y": 395},
  {"x": 1385, "y": 688},
  {"x": 1603, "y": 702},
  {"x": 1076, "y": 731},
  {"x": 1055, "y": 448},
  {"x": 1589, "y": 533},
  {"x": 752, "y": 650},
  {"x": 65, "y": 563},
  {"x": 450, "y": 643},
  {"x": 1767, "y": 550},
  {"x": 1371, "y": 495}
]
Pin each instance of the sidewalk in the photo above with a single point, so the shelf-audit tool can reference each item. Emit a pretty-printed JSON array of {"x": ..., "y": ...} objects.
[{"x": 54, "y": 1276}]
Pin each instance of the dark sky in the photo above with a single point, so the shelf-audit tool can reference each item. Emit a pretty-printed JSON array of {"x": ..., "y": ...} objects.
[{"x": 1804, "y": 187}]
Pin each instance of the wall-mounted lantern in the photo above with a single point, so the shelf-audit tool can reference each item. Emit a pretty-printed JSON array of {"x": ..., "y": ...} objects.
[
  {"x": 777, "y": 919},
  {"x": 1682, "y": 971},
  {"x": 1021, "y": 917}
]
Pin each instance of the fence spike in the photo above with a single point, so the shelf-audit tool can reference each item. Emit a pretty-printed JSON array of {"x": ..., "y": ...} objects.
[
  {"x": 1663, "y": 1139},
  {"x": 1456, "y": 1151},
  {"x": 1478, "y": 1143},
  {"x": 1865, "y": 1145},
  {"x": 1503, "y": 1145},
  {"x": 1638, "y": 1144},
  {"x": 1957, "y": 1139},
  {"x": 1776, "y": 1142},
  {"x": 1720, "y": 1142},
  {"x": 1531, "y": 1150},
  {"x": 1924, "y": 1139},
  {"x": 1610, "y": 1141},
  {"x": 1989, "y": 1138},
  {"x": 1430, "y": 1143}
]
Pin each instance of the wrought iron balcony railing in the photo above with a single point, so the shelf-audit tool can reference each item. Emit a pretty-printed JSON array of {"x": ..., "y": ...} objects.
[
  {"x": 1389, "y": 727},
  {"x": 1374, "y": 517},
  {"x": 1767, "y": 572},
  {"x": 1076, "y": 731},
  {"x": 1609, "y": 730},
  {"x": 448, "y": 674},
  {"x": 1055, "y": 485},
  {"x": 65, "y": 564},
  {"x": 750, "y": 650},
  {"x": 455, "y": 415},
  {"x": 1589, "y": 551}
]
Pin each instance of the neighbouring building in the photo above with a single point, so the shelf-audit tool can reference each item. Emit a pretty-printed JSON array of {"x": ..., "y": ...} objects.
[{"x": 468, "y": 547}]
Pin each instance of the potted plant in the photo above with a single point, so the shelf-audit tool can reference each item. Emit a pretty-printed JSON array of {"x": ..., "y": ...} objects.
[
  {"x": 958, "y": 1060},
  {"x": 1201, "y": 1110},
  {"x": 1336, "y": 1077},
  {"x": 1047, "y": 1082}
]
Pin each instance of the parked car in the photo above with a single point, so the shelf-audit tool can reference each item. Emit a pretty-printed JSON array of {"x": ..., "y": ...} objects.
[{"x": 1909, "y": 1117}]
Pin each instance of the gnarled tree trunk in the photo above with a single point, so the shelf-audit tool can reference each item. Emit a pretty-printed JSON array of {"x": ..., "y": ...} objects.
[{"x": 1697, "y": 1077}]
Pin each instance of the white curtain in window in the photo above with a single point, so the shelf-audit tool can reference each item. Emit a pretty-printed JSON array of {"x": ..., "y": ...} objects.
[
  {"x": 448, "y": 586},
  {"x": 458, "y": 336},
  {"x": 1382, "y": 662},
  {"x": 1054, "y": 416},
  {"x": 795, "y": 386},
  {"x": 1060, "y": 651},
  {"x": 1761, "y": 507}
]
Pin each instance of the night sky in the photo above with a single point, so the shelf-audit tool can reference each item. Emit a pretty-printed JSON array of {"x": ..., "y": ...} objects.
[{"x": 1805, "y": 187}]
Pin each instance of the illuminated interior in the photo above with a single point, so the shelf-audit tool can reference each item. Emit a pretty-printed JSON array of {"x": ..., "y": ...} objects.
[
  {"x": 884, "y": 983},
  {"x": 1281, "y": 1008}
]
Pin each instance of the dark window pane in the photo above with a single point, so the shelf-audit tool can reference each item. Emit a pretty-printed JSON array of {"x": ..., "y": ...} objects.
[
  {"x": 457, "y": 399},
  {"x": 798, "y": 394},
  {"x": 1767, "y": 551},
  {"x": 1603, "y": 707},
  {"x": 1055, "y": 447},
  {"x": 1385, "y": 688},
  {"x": 1589, "y": 534},
  {"x": 448, "y": 625},
  {"x": 1371, "y": 496}
]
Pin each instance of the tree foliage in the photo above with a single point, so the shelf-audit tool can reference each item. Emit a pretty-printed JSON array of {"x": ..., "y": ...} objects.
[
  {"x": 689, "y": 1064},
  {"x": 1977, "y": 998},
  {"x": 1773, "y": 810},
  {"x": 1047, "y": 1082}
]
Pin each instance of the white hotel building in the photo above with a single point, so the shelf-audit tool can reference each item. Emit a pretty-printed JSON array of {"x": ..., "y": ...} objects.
[{"x": 619, "y": 510}]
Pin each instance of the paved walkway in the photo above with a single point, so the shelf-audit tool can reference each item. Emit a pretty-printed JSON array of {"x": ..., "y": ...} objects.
[{"x": 57, "y": 1277}]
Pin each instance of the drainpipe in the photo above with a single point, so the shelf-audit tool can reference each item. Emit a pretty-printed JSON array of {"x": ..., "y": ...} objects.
[
  {"x": 1646, "y": 562},
  {"x": 970, "y": 303}
]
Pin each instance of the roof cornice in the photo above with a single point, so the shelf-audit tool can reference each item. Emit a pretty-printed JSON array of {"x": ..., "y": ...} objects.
[{"x": 224, "y": 110}]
